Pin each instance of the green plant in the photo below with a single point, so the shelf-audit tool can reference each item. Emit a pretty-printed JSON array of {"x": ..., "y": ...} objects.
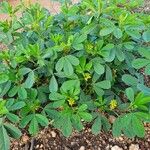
[{"x": 73, "y": 68}]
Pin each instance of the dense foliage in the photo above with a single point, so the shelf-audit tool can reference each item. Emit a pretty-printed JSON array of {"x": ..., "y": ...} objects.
[{"x": 76, "y": 67}]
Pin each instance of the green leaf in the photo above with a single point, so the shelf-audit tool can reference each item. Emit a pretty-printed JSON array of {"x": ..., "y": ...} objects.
[
  {"x": 78, "y": 40},
  {"x": 5, "y": 7},
  {"x": 26, "y": 120},
  {"x": 5, "y": 89},
  {"x": 128, "y": 131},
  {"x": 81, "y": 38},
  {"x": 140, "y": 63},
  {"x": 67, "y": 127},
  {"x": 129, "y": 45},
  {"x": 83, "y": 107},
  {"x": 103, "y": 84},
  {"x": 4, "y": 140},
  {"x": 23, "y": 71},
  {"x": 60, "y": 64},
  {"x": 117, "y": 127},
  {"x": 68, "y": 69},
  {"x": 13, "y": 131},
  {"x": 12, "y": 117},
  {"x": 98, "y": 68},
  {"x": 73, "y": 60},
  {"x": 106, "y": 50},
  {"x": 126, "y": 122},
  {"x": 130, "y": 94},
  {"x": 118, "y": 33},
  {"x": 33, "y": 126},
  {"x": 17, "y": 105},
  {"x": 138, "y": 127},
  {"x": 143, "y": 88},
  {"x": 3, "y": 109},
  {"x": 143, "y": 116},
  {"x": 13, "y": 91},
  {"x": 96, "y": 127},
  {"x": 85, "y": 116},
  {"x": 144, "y": 52},
  {"x": 58, "y": 104},
  {"x": 89, "y": 28},
  {"x": 78, "y": 46},
  {"x": 143, "y": 100},
  {"x": 98, "y": 90},
  {"x": 22, "y": 93},
  {"x": 111, "y": 55},
  {"x": 56, "y": 97},
  {"x": 105, "y": 123},
  {"x": 108, "y": 47},
  {"x": 108, "y": 73},
  {"x": 53, "y": 86},
  {"x": 119, "y": 54},
  {"x": 71, "y": 85},
  {"x": 106, "y": 31},
  {"x": 100, "y": 44},
  {"x": 129, "y": 80},
  {"x": 147, "y": 69},
  {"x": 10, "y": 102},
  {"x": 3, "y": 78},
  {"x": 146, "y": 36},
  {"x": 42, "y": 120},
  {"x": 29, "y": 81},
  {"x": 51, "y": 113},
  {"x": 33, "y": 93},
  {"x": 76, "y": 122},
  {"x": 134, "y": 34}
]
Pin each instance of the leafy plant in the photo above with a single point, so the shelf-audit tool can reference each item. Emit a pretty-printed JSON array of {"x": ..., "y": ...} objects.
[
  {"x": 143, "y": 62},
  {"x": 74, "y": 68}
]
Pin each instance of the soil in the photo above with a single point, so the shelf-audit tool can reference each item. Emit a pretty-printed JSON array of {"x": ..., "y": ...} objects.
[
  {"x": 51, "y": 139},
  {"x": 52, "y": 6},
  {"x": 146, "y": 7}
]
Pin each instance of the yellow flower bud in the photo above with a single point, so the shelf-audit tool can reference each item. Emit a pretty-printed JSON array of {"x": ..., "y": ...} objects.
[
  {"x": 71, "y": 101},
  {"x": 87, "y": 76},
  {"x": 113, "y": 104}
]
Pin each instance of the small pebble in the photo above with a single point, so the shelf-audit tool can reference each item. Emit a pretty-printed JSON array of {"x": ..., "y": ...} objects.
[
  {"x": 107, "y": 147},
  {"x": 73, "y": 143},
  {"x": 112, "y": 119},
  {"x": 116, "y": 148},
  {"x": 53, "y": 134},
  {"x": 66, "y": 148},
  {"x": 25, "y": 139},
  {"x": 82, "y": 148},
  {"x": 134, "y": 147},
  {"x": 37, "y": 146}
]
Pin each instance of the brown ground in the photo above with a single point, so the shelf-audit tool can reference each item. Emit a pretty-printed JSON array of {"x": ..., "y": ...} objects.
[
  {"x": 52, "y": 139},
  {"x": 146, "y": 7},
  {"x": 54, "y": 7}
]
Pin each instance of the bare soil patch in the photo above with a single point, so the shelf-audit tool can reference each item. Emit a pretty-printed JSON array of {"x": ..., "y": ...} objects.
[{"x": 52, "y": 139}]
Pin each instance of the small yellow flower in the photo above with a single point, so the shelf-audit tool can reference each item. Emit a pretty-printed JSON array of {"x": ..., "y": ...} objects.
[
  {"x": 71, "y": 101},
  {"x": 114, "y": 71},
  {"x": 87, "y": 76},
  {"x": 113, "y": 104},
  {"x": 90, "y": 46}
]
